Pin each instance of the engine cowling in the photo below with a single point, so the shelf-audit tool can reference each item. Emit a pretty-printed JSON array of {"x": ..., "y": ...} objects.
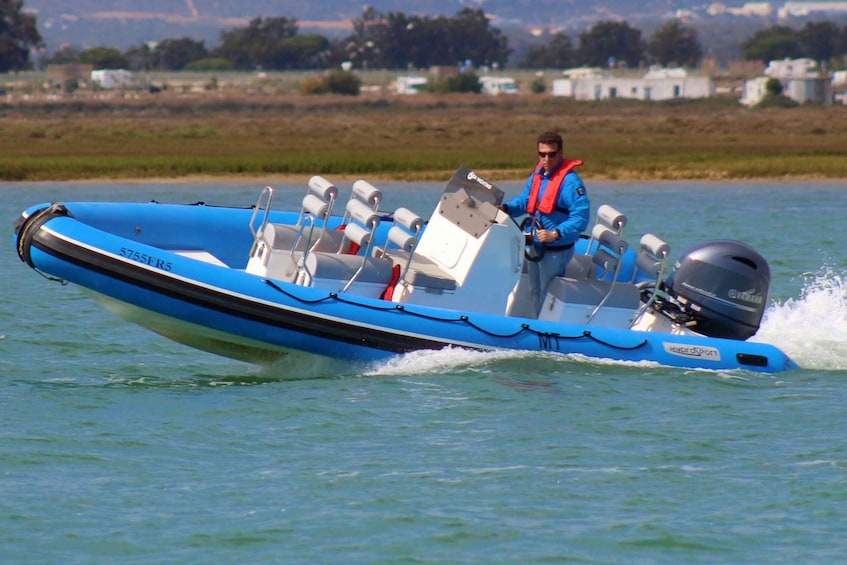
[{"x": 723, "y": 286}]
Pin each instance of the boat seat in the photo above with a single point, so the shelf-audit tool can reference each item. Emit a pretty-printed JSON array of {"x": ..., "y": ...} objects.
[
  {"x": 343, "y": 267},
  {"x": 422, "y": 272},
  {"x": 360, "y": 221},
  {"x": 589, "y": 296},
  {"x": 400, "y": 245},
  {"x": 277, "y": 248},
  {"x": 285, "y": 237},
  {"x": 582, "y": 265},
  {"x": 593, "y": 292},
  {"x": 317, "y": 204}
]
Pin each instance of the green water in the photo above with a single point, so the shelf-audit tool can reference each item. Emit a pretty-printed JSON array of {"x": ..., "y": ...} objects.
[{"x": 119, "y": 446}]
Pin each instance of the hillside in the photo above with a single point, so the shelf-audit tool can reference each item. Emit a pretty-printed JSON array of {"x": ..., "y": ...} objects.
[
  {"x": 532, "y": 12},
  {"x": 121, "y": 23}
]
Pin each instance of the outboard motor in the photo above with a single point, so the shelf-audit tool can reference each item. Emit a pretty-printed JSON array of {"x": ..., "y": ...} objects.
[{"x": 721, "y": 288}]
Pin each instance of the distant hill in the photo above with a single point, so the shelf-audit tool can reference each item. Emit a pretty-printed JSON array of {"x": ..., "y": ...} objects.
[
  {"x": 126, "y": 23},
  {"x": 121, "y": 23}
]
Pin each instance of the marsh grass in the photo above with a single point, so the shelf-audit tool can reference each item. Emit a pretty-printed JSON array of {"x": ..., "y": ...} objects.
[{"x": 406, "y": 138}]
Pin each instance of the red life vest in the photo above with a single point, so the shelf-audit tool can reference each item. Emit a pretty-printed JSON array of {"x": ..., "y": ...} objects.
[{"x": 554, "y": 186}]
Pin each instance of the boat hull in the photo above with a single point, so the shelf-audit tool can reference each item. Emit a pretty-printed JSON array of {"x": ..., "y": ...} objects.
[{"x": 140, "y": 261}]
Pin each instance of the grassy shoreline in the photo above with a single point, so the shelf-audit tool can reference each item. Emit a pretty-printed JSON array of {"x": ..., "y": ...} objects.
[{"x": 274, "y": 138}]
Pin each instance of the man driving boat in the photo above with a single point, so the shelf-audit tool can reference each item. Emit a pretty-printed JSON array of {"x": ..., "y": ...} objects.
[{"x": 558, "y": 210}]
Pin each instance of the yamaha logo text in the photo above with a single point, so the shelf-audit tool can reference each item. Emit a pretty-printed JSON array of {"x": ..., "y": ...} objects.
[{"x": 752, "y": 296}]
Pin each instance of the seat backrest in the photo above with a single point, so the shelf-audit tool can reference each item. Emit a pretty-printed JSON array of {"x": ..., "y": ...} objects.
[
  {"x": 609, "y": 252},
  {"x": 367, "y": 194},
  {"x": 652, "y": 256},
  {"x": 362, "y": 222},
  {"x": 608, "y": 257},
  {"x": 364, "y": 195},
  {"x": 403, "y": 236},
  {"x": 652, "y": 259},
  {"x": 316, "y": 205},
  {"x": 609, "y": 218},
  {"x": 319, "y": 194}
]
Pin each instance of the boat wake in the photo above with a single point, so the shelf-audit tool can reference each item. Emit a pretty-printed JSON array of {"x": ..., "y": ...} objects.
[
  {"x": 299, "y": 365},
  {"x": 456, "y": 360},
  {"x": 451, "y": 359},
  {"x": 811, "y": 329}
]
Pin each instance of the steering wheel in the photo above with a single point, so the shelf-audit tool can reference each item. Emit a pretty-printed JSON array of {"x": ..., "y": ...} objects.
[{"x": 533, "y": 250}]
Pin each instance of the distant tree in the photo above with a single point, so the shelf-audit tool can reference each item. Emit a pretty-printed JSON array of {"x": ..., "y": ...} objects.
[
  {"x": 474, "y": 39},
  {"x": 175, "y": 54},
  {"x": 368, "y": 31},
  {"x": 773, "y": 87},
  {"x": 558, "y": 53},
  {"x": 302, "y": 52},
  {"x": 139, "y": 58},
  {"x": 820, "y": 41},
  {"x": 609, "y": 41},
  {"x": 18, "y": 34},
  {"x": 339, "y": 81},
  {"x": 395, "y": 40},
  {"x": 463, "y": 82},
  {"x": 104, "y": 58},
  {"x": 65, "y": 55},
  {"x": 675, "y": 44},
  {"x": 538, "y": 86},
  {"x": 427, "y": 43},
  {"x": 774, "y": 97},
  {"x": 775, "y": 42},
  {"x": 260, "y": 44},
  {"x": 210, "y": 64},
  {"x": 336, "y": 52}
]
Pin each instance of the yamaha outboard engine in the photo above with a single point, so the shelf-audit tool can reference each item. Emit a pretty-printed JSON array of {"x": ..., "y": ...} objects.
[{"x": 722, "y": 288}]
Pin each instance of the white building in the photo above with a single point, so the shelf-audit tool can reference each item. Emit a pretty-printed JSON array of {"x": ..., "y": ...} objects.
[
  {"x": 498, "y": 85},
  {"x": 801, "y": 81},
  {"x": 112, "y": 78},
  {"x": 839, "y": 87},
  {"x": 410, "y": 85},
  {"x": 657, "y": 84},
  {"x": 565, "y": 86},
  {"x": 761, "y": 9},
  {"x": 802, "y": 9}
]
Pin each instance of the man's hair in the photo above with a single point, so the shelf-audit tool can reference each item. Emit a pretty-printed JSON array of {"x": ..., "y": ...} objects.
[{"x": 551, "y": 138}]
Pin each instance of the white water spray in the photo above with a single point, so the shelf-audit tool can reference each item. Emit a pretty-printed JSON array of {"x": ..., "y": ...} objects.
[
  {"x": 811, "y": 329},
  {"x": 436, "y": 362}
]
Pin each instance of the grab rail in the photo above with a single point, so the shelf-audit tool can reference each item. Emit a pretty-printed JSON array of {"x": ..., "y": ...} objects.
[{"x": 269, "y": 199}]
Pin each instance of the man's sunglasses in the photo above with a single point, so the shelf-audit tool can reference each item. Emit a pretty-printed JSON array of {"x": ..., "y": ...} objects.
[{"x": 548, "y": 154}]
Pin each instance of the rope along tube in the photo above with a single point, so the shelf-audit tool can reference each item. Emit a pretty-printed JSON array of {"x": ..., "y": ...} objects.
[{"x": 462, "y": 319}]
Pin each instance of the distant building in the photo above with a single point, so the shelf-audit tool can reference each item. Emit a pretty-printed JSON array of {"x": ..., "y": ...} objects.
[
  {"x": 409, "y": 85},
  {"x": 802, "y": 9},
  {"x": 112, "y": 78},
  {"x": 656, "y": 84},
  {"x": 839, "y": 87},
  {"x": 762, "y": 9},
  {"x": 800, "y": 79},
  {"x": 60, "y": 74},
  {"x": 498, "y": 85}
]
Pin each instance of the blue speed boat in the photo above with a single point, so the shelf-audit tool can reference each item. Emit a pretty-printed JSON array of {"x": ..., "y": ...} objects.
[{"x": 343, "y": 278}]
